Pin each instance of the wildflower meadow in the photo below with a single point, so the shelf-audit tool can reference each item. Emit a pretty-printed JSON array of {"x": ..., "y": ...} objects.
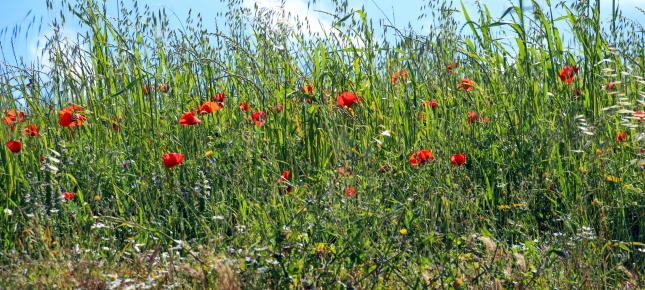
[{"x": 486, "y": 151}]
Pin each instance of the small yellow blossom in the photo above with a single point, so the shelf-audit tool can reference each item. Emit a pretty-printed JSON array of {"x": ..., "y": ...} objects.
[{"x": 403, "y": 231}]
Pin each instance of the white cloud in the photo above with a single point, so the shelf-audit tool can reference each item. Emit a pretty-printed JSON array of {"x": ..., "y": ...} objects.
[{"x": 292, "y": 11}]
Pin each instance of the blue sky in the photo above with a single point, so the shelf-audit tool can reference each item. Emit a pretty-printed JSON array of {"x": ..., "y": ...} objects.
[{"x": 21, "y": 13}]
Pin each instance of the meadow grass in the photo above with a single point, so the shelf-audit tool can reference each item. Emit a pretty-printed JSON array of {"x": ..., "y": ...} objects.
[{"x": 550, "y": 194}]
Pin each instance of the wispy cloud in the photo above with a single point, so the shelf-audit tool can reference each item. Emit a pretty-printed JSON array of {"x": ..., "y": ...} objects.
[
  {"x": 73, "y": 53},
  {"x": 293, "y": 12}
]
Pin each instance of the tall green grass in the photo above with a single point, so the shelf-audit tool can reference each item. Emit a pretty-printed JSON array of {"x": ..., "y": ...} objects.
[{"x": 547, "y": 197}]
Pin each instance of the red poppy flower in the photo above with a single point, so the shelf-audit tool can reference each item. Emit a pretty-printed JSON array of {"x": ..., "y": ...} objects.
[
  {"x": 208, "y": 107},
  {"x": 431, "y": 103},
  {"x": 610, "y": 86},
  {"x": 259, "y": 118},
  {"x": 14, "y": 146},
  {"x": 309, "y": 89},
  {"x": 71, "y": 116},
  {"x": 466, "y": 84},
  {"x": 244, "y": 107},
  {"x": 421, "y": 157},
  {"x": 188, "y": 119},
  {"x": 171, "y": 160},
  {"x": 347, "y": 99},
  {"x": 568, "y": 73},
  {"x": 451, "y": 66},
  {"x": 458, "y": 159},
  {"x": 350, "y": 191},
  {"x": 41, "y": 158},
  {"x": 621, "y": 137},
  {"x": 486, "y": 120},
  {"x": 472, "y": 117},
  {"x": 12, "y": 117},
  {"x": 284, "y": 176},
  {"x": 68, "y": 195},
  {"x": 219, "y": 99},
  {"x": 31, "y": 130}
]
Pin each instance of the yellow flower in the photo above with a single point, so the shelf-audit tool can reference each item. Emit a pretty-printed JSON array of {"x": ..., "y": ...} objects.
[
  {"x": 614, "y": 179},
  {"x": 504, "y": 206},
  {"x": 97, "y": 197},
  {"x": 403, "y": 231},
  {"x": 209, "y": 153},
  {"x": 321, "y": 248}
]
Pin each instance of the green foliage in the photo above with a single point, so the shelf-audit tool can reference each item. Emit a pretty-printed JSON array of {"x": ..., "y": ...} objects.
[{"x": 548, "y": 196}]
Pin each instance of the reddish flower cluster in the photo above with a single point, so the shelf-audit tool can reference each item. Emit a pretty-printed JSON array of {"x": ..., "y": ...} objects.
[
  {"x": 30, "y": 130},
  {"x": 188, "y": 119},
  {"x": 219, "y": 99},
  {"x": 163, "y": 88},
  {"x": 344, "y": 171},
  {"x": 474, "y": 117},
  {"x": 11, "y": 118},
  {"x": 259, "y": 118},
  {"x": 466, "y": 84},
  {"x": 424, "y": 156},
  {"x": 116, "y": 122},
  {"x": 68, "y": 195},
  {"x": 347, "y": 99},
  {"x": 309, "y": 89},
  {"x": 458, "y": 159},
  {"x": 421, "y": 157},
  {"x": 432, "y": 103},
  {"x": 403, "y": 73},
  {"x": 284, "y": 177},
  {"x": 171, "y": 160},
  {"x": 568, "y": 73},
  {"x": 350, "y": 191},
  {"x": 621, "y": 137},
  {"x": 14, "y": 146},
  {"x": 451, "y": 66},
  {"x": 209, "y": 107},
  {"x": 71, "y": 116},
  {"x": 244, "y": 107}
]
